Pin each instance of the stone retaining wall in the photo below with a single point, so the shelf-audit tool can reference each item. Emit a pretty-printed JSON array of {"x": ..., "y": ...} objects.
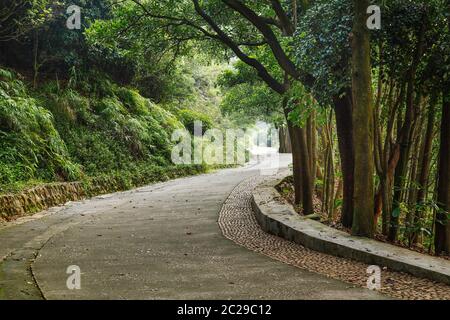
[
  {"x": 49, "y": 195},
  {"x": 280, "y": 219}
]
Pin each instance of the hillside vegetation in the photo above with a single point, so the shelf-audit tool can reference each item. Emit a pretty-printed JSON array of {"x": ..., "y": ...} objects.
[
  {"x": 365, "y": 106},
  {"x": 83, "y": 128}
]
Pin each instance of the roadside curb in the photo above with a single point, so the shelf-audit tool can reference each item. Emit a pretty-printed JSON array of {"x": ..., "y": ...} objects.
[{"x": 280, "y": 219}]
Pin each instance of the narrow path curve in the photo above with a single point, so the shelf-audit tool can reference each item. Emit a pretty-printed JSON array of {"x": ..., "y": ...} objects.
[{"x": 164, "y": 242}]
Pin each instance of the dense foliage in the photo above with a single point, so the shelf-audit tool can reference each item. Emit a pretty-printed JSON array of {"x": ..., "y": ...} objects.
[
  {"x": 31, "y": 147},
  {"x": 366, "y": 110},
  {"x": 86, "y": 106}
]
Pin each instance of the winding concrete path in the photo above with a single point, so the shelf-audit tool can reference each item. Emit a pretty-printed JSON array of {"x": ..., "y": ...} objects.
[{"x": 156, "y": 242}]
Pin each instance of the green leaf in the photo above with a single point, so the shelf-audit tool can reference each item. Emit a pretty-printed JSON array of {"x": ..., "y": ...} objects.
[{"x": 396, "y": 212}]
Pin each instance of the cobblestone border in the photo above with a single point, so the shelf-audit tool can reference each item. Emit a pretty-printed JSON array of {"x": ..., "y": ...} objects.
[
  {"x": 238, "y": 223},
  {"x": 279, "y": 218}
]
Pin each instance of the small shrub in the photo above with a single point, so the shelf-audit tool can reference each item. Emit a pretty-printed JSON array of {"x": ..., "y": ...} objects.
[{"x": 188, "y": 118}]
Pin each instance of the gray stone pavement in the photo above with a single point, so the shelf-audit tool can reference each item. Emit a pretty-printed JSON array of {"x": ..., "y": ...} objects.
[{"x": 157, "y": 242}]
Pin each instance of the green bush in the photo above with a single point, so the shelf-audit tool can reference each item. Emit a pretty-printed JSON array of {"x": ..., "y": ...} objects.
[
  {"x": 188, "y": 118},
  {"x": 134, "y": 102}
]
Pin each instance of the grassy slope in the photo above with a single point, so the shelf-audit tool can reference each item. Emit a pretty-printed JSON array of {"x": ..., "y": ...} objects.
[{"x": 85, "y": 128}]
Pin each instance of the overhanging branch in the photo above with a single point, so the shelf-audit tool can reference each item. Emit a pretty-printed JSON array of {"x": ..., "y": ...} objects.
[
  {"x": 283, "y": 60},
  {"x": 261, "y": 70},
  {"x": 288, "y": 27}
]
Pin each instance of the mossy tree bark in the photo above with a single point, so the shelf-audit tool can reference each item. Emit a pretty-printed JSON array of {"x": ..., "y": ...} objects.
[{"x": 363, "y": 196}]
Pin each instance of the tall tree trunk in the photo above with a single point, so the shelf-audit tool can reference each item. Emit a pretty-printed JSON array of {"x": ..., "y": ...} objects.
[
  {"x": 329, "y": 181},
  {"x": 294, "y": 12},
  {"x": 405, "y": 133},
  {"x": 296, "y": 166},
  {"x": 413, "y": 181},
  {"x": 301, "y": 166},
  {"x": 425, "y": 159},
  {"x": 35, "y": 58},
  {"x": 442, "y": 237},
  {"x": 285, "y": 142},
  {"x": 388, "y": 162},
  {"x": 343, "y": 110},
  {"x": 296, "y": 161},
  {"x": 307, "y": 185},
  {"x": 312, "y": 145},
  {"x": 404, "y": 141},
  {"x": 314, "y": 157},
  {"x": 363, "y": 193}
]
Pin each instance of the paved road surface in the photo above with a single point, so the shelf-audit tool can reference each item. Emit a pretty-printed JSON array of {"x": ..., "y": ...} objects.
[{"x": 157, "y": 242}]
